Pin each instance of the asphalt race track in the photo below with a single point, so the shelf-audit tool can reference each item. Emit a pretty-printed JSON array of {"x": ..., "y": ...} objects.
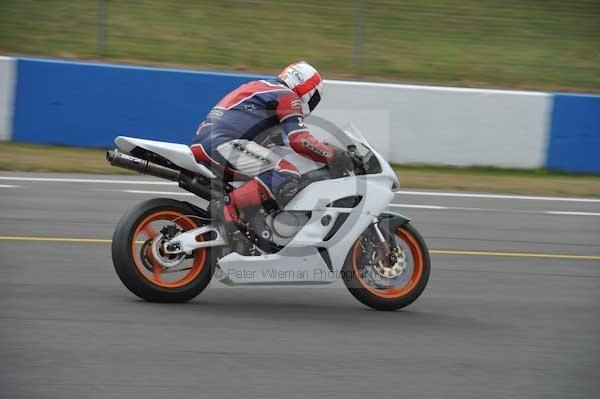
[{"x": 512, "y": 308}]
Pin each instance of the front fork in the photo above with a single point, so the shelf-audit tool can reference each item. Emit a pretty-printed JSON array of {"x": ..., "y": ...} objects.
[
  {"x": 378, "y": 232},
  {"x": 387, "y": 249}
]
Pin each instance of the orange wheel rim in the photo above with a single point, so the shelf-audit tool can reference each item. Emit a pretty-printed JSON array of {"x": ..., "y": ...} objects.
[
  {"x": 417, "y": 272},
  {"x": 156, "y": 277}
]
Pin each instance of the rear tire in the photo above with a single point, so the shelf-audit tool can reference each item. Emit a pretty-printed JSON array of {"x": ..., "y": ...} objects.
[
  {"x": 134, "y": 262},
  {"x": 394, "y": 297}
]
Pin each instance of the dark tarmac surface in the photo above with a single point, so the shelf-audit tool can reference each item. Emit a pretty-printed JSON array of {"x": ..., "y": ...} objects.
[{"x": 485, "y": 327}]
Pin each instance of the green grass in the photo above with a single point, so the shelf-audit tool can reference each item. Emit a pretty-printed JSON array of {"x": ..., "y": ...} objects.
[
  {"x": 488, "y": 170},
  {"x": 534, "y": 44},
  {"x": 489, "y": 179},
  {"x": 41, "y": 158}
]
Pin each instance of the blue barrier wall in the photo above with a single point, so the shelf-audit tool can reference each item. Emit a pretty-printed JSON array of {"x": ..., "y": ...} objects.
[
  {"x": 574, "y": 142},
  {"x": 85, "y": 104},
  {"x": 88, "y": 104}
]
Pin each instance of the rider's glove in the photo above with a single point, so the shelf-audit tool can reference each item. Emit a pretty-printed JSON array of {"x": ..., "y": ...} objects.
[{"x": 342, "y": 159}]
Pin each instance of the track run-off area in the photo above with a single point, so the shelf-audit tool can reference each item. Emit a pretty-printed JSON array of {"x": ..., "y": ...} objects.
[{"x": 512, "y": 307}]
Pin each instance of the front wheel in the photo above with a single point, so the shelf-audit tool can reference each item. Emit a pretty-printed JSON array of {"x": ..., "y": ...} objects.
[
  {"x": 139, "y": 258},
  {"x": 392, "y": 279}
]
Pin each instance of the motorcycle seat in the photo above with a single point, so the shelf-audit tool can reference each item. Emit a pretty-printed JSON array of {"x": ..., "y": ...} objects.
[{"x": 179, "y": 154}]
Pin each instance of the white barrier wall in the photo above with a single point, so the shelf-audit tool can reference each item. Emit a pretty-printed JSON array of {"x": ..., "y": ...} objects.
[
  {"x": 446, "y": 126},
  {"x": 7, "y": 90},
  {"x": 406, "y": 123}
]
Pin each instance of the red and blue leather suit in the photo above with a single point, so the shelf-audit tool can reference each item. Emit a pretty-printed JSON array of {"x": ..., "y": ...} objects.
[{"x": 226, "y": 139}]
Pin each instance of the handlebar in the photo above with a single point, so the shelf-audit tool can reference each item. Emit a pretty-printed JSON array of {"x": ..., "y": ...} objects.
[{"x": 358, "y": 163}]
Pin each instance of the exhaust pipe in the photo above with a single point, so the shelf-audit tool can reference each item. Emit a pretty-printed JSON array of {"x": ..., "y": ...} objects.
[{"x": 126, "y": 161}]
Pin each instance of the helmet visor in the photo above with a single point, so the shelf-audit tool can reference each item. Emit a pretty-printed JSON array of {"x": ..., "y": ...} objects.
[{"x": 314, "y": 100}]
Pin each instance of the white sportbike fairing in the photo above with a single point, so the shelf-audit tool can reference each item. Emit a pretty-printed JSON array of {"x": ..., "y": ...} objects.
[
  {"x": 300, "y": 261},
  {"x": 320, "y": 234}
]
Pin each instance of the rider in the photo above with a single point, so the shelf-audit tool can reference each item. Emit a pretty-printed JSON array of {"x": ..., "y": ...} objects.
[{"x": 225, "y": 139}]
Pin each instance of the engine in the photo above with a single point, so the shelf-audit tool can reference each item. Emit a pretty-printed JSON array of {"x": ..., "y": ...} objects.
[{"x": 284, "y": 225}]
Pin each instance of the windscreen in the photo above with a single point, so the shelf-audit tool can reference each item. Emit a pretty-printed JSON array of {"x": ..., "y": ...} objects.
[
  {"x": 360, "y": 142},
  {"x": 361, "y": 147}
]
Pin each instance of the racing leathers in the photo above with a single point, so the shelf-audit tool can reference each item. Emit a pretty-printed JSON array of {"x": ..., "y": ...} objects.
[{"x": 226, "y": 140}]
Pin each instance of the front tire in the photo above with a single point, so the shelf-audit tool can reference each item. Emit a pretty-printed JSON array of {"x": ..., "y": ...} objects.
[
  {"x": 378, "y": 286},
  {"x": 136, "y": 265}
]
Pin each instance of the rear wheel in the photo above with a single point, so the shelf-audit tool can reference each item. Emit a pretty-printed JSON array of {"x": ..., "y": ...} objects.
[
  {"x": 392, "y": 279},
  {"x": 141, "y": 262}
]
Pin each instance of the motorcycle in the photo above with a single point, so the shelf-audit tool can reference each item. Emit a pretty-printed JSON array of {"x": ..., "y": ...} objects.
[{"x": 335, "y": 228}]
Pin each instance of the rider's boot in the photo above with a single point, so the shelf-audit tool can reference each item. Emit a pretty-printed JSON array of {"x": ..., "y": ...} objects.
[{"x": 251, "y": 193}]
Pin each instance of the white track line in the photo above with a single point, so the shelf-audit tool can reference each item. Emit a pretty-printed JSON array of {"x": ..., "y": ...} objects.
[
  {"x": 573, "y": 213},
  {"x": 497, "y": 196},
  {"x": 431, "y": 207},
  {"x": 8, "y": 186},
  {"x": 458, "y": 208},
  {"x": 417, "y": 206},
  {"x": 92, "y": 181},
  {"x": 415, "y": 193},
  {"x": 159, "y": 192}
]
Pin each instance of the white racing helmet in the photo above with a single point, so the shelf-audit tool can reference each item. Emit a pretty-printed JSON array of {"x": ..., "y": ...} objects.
[{"x": 306, "y": 82}]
